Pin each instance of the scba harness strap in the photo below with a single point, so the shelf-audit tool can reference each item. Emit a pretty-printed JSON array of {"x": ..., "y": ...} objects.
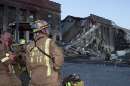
[{"x": 46, "y": 53}]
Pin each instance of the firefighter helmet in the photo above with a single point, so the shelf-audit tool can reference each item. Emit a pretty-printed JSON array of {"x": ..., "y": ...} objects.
[
  {"x": 75, "y": 77},
  {"x": 40, "y": 25}
]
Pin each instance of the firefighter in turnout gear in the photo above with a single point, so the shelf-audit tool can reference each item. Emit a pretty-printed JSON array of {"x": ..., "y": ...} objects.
[
  {"x": 17, "y": 47},
  {"x": 20, "y": 65},
  {"x": 43, "y": 57},
  {"x": 73, "y": 80},
  {"x": 7, "y": 59}
]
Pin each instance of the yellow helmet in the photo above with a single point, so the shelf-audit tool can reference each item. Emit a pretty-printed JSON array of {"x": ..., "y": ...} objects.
[{"x": 40, "y": 25}]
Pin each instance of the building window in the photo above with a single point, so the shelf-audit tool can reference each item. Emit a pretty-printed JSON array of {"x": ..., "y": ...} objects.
[
  {"x": 57, "y": 38},
  {"x": 11, "y": 19},
  {"x": 70, "y": 20},
  {"x": 1, "y": 17},
  {"x": 32, "y": 16},
  {"x": 23, "y": 14},
  {"x": 11, "y": 15},
  {"x": 21, "y": 35},
  {"x": 31, "y": 36}
]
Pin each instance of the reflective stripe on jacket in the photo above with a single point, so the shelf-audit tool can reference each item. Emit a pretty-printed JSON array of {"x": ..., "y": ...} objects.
[
  {"x": 47, "y": 47},
  {"x": 79, "y": 83},
  {"x": 68, "y": 84}
]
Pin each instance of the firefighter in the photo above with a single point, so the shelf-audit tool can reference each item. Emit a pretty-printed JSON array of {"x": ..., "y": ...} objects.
[
  {"x": 7, "y": 58},
  {"x": 19, "y": 50},
  {"x": 20, "y": 65},
  {"x": 43, "y": 57},
  {"x": 73, "y": 80}
]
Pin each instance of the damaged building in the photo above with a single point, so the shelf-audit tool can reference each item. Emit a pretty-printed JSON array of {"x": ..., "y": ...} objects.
[
  {"x": 21, "y": 12},
  {"x": 92, "y": 36}
]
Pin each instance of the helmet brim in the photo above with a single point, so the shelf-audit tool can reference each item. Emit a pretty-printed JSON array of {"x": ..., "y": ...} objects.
[{"x": 39, "y": 29}]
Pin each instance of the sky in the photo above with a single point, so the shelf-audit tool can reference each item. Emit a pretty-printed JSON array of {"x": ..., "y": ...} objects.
[{"x": 115, "y": 10}]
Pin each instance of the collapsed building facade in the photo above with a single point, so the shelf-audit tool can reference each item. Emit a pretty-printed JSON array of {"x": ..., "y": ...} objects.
[
  {"x": 92, "y": 36},
  {"x": 21, "y": 12}
]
